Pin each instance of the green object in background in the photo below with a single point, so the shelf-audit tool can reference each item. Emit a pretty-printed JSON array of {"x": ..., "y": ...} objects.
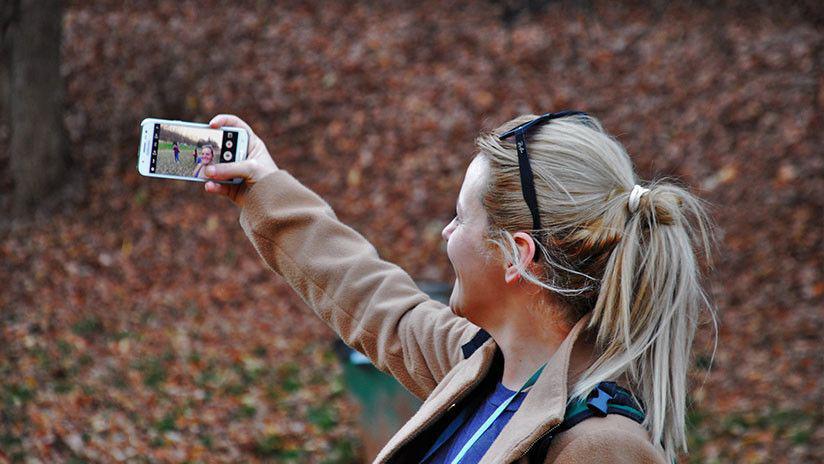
[{"x": 384, "y": 403}]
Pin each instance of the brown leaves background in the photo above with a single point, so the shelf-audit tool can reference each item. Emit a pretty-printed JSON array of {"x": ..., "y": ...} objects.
[{"x": 139, "y": 325}]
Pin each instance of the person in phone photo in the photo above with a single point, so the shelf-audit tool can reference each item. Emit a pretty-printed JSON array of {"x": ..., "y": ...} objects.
[
  {"x": 206, "y": 158},
  {"x": 176, "y": 149}
]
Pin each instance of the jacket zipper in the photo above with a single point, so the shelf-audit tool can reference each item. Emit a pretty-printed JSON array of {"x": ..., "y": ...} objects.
[{"x": 543, "y": 435}]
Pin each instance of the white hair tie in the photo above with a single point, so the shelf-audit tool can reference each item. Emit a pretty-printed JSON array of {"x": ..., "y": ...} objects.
[{"x": 635, "y": 197}]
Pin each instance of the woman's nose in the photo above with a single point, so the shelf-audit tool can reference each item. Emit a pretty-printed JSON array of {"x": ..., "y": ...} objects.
[{"x": 447, "y": 231}]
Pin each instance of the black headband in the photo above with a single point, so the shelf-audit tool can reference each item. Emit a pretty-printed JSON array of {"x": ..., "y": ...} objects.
[{"x": 527, "y": 179}]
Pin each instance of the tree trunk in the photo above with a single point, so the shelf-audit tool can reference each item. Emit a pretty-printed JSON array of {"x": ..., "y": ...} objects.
[{"x": 38, "y": 149}]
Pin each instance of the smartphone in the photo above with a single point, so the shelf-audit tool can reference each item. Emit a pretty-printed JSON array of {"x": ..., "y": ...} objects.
[{"x": 182, "y": 150}]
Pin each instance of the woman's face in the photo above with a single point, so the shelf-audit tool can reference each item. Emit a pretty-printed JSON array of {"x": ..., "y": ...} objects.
[
  {"x": 207, "y": 155},
  {"x": 478, "y": 275}
]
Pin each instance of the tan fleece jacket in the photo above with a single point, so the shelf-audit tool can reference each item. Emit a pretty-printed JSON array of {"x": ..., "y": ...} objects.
[{"x": 377, "y": 309}]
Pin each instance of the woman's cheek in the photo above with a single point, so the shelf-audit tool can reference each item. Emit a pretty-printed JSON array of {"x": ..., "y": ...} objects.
[
  {"x": 455, "y": 250},
  {"x": 450, "y": 248}
]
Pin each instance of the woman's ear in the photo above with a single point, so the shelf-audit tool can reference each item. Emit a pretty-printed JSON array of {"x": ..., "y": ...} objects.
[{"x": 526, "y": 251}]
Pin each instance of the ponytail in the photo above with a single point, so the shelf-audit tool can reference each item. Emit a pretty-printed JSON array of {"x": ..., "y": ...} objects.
[{"x": 648, "y": 306}]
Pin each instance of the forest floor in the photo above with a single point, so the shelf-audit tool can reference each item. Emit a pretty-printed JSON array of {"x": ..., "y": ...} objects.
[{"x": 138, "y": 324}]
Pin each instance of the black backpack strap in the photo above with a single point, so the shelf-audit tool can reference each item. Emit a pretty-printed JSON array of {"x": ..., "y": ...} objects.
[
  {"x": 472, "y": 345},
  {"x": 606, "y": 398}
]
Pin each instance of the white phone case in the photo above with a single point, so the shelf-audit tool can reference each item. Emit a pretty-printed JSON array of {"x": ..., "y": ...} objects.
[{"x": 145, "y": 148}]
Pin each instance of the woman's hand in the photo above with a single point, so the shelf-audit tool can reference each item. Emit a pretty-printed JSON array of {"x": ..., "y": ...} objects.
[{"x": 257, "y": 165}]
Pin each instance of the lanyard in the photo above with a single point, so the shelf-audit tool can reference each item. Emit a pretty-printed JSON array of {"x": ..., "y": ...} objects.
[{"x": 475, "y": 436}]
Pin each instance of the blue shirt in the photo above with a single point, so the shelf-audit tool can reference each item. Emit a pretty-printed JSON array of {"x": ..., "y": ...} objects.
[{"x": 453, "y": 445}]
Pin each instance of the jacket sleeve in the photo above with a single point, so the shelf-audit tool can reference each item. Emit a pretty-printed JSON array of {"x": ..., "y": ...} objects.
[
  {"x": 372, "y": 304},
  {"x": 613, "y": 446}
]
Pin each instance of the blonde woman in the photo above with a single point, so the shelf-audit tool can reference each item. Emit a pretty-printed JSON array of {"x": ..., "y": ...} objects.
[
  {"x": 206, "y": 158},
  {"x": 567, "y": 337}
]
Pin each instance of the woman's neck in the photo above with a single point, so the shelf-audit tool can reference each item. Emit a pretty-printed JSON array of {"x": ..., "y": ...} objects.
[
  {"x": 527, "y": 340},
  {"x": 522, "y": 356}
]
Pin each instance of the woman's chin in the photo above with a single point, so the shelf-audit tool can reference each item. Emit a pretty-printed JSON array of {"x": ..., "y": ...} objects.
[
  {"x": 458, "y": 308},
  {"x": 455, "y": 311},
  {"x": 456, "y": 303},
  {"x": 455, "y": 306}
]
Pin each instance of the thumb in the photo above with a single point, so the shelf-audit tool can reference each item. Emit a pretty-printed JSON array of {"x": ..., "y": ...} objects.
[{"x": 225, "y": 171}]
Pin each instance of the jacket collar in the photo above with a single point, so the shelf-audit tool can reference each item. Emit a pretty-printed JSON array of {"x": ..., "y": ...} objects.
[
  {"x": 451, "y": 389},
  {"x": 542, "y": 409}
]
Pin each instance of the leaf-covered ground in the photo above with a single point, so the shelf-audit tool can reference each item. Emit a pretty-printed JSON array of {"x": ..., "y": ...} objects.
[{"x": 137, "y": 324}]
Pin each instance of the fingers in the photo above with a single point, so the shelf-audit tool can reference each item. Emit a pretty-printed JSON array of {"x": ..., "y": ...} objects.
[
  {"x": 214, "y": 187},
  {"x": 229, "y": 120},
  {"x": 225, "y": 171}
]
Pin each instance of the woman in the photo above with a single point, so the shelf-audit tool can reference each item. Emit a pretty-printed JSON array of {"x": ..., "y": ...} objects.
[
  {"x": 571, "y": 280},
  {"x": 206, "y": 158}
]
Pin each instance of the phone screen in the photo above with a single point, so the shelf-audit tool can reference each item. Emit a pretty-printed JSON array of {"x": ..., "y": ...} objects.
[{"x": 186, "y": 151}]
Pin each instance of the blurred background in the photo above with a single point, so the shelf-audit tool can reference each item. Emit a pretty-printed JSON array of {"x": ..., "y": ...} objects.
[{"x": 137, "y": 324}]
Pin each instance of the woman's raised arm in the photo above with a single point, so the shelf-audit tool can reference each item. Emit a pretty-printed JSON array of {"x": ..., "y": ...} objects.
[{"x": 372, "y": 304}]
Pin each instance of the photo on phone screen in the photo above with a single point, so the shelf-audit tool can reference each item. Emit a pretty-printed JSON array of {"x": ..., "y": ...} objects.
[{"x": 186, "y": 151}]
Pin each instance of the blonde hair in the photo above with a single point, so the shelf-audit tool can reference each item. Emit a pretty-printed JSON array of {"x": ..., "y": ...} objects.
[{"x": 636, "y": 273}]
